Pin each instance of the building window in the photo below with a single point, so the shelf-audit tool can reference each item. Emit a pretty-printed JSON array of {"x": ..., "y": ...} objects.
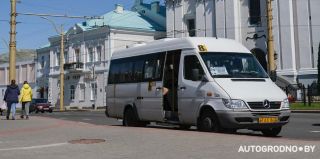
[
  {"x": 99, "y": 53},
  {"x": 58, "y": 59},
  {"x": 49, "y": 61},
  {"x": 94, "y": 91},
  {"x": 77, "y": 55},
  {"x": 254, "y": 12},
  {"x": 72, "y": 91},
  {"x": 82, "y": 93},
  {"x": 90, "y": 53},
  {"x": 191, "y": 27},
  {"x": 66, "y": 57},
  {"x": 42, "y": 62}
]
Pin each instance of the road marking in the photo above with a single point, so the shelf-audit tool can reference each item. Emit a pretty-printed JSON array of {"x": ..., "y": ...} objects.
[
  {"x": 34, "y": 147},
  {"x": 86, "y": 119},
  {"x": 315, "y": 131}
]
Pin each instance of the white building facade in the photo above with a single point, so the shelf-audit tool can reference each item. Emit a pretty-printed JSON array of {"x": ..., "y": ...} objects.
[
  {"x": 25, "y": 71},
  {"x": 296, "y": 30},
  {"x": 88, "y": 48}
]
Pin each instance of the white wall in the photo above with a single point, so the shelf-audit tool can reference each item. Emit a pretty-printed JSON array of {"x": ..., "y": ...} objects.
[{"x": 294, "y": 34}]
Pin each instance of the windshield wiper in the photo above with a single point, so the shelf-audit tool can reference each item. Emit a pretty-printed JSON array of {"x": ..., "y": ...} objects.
[{"x": 222, "y": 76}]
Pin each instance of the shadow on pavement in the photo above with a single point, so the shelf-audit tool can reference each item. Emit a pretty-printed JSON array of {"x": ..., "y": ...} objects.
[{"x": 193, "y": 129}]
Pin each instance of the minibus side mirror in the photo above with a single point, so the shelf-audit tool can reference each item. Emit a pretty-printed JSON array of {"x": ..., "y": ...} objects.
[
  {"x": 273, "y": 76},
  {"x": 195, "y": 74}
]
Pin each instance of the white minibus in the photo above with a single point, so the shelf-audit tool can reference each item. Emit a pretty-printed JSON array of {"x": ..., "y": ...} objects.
[{"x": 212, "y": 83}]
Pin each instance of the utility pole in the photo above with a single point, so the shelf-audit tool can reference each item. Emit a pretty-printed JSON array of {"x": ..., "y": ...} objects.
[
  {"x": 12, "y": 45},
  {"x": 62, "y": 70},
  {"x": 271, "y": 60}
]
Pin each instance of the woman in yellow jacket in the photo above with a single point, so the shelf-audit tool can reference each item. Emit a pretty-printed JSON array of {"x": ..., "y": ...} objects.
[{"x": 25, "y": 99}]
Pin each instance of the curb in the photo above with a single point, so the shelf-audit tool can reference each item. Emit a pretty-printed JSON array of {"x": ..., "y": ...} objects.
[{"x": 81, "y": 110}]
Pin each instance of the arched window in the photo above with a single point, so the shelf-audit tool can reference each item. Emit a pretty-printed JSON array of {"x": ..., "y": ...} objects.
[
  {"x": 254, "y": 12},
  {"x": 72, "y": 92}
]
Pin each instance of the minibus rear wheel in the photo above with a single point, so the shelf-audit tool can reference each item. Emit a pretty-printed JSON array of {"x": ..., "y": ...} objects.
[
  {"x": 271, "y": 132},
  {"x": 129, "y": 118},
  {"x": 208, "y": 122}
]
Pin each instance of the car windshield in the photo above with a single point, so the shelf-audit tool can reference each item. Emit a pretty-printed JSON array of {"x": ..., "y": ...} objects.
[{"x": 233, "y": 65}]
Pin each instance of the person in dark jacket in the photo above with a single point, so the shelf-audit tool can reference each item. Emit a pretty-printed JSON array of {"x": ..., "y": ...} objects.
[{"x": 11, "y": 96}]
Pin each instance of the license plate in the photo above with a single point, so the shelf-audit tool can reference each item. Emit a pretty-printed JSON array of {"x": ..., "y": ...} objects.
[{"x": 268, "y": 120}]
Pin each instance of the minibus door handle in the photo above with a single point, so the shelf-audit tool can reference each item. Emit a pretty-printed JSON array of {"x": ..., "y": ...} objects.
[
  {"x": 158, "y": 89},
  {"x": 183, "y": 88}
]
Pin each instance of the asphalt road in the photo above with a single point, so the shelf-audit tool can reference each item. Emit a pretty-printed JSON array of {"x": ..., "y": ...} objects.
[
  {"x": 76, "y": 135},
  {"x": 302, "y": 126}
]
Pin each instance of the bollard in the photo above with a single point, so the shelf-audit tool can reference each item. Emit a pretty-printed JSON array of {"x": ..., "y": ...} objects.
[
  {"x": 309, "y": 95},
  {"x": 304, "y": 95}
]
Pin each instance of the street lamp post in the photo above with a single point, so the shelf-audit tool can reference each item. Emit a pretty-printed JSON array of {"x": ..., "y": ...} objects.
[{"x": 61, "y": 33}]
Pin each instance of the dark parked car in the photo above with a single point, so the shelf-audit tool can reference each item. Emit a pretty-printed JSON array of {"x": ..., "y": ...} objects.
[{"x": 40, "y": 105}]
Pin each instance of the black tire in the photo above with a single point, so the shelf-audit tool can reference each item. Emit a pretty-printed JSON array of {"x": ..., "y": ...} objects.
[
  {"x": 271, "y": 132},
  {"x": 142, "y": 123},
  {"x": 184, "y": 127},
  {"x": 42, "y": 111},
  {"x": 230, "y": 131},
  {"x": 129, "y": 118},
  {"x": 50, "y": 110},
  {"x": 37, "y": 111},
  {"x": 208, "y": 122}
]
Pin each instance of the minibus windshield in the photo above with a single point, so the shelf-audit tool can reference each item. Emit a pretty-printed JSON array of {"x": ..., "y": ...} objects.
[{"x": 233, "y": 65}]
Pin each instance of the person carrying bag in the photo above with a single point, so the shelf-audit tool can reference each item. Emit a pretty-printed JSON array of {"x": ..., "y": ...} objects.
[{"x": 11, "y": 97}]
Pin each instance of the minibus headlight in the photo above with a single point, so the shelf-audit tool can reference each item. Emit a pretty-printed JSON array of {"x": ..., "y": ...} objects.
[
  {"x": 234, "y": 104},
  {"x": 285, "y": 104}
]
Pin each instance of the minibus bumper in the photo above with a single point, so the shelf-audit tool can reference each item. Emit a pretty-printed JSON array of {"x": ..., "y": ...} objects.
[{"x": 250, "y": 120}]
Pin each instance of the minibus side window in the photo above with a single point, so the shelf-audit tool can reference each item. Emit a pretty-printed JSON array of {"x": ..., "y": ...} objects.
[
  {"x": 148, "y": 69},
  {"x": 137, "y": 70},
  {"x": 153, "y": 67},
  {"x": 191, "y": 63},
  {"x": 125, "y": 71},
  {"x": 114, "y": 72}
]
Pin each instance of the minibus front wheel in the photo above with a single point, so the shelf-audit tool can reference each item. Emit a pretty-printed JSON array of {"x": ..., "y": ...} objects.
[{"x": 208, "y": 121}]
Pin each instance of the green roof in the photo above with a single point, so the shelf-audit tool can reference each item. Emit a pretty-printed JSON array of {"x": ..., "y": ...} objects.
[{"x": 124, "y": 20}]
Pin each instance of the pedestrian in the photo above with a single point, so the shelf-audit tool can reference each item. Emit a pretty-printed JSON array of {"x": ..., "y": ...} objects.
[
  {"x": 25, "y": 99},
  {"x": 11, "y": 97}
]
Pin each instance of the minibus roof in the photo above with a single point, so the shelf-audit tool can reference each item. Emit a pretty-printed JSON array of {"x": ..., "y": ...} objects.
[{"x": 211, "y": 44}]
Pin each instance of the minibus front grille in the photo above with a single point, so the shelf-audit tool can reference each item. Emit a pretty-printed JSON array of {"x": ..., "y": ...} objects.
[
  {"x": 266, "y": 113},
  {"x": 259, "y": 105}
]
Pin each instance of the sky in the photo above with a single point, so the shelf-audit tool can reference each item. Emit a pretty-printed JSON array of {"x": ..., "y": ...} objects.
[{"x": 33, "y": 31}]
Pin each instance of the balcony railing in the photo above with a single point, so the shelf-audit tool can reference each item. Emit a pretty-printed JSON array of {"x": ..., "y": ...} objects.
[{"x": 74, "y": 66}]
